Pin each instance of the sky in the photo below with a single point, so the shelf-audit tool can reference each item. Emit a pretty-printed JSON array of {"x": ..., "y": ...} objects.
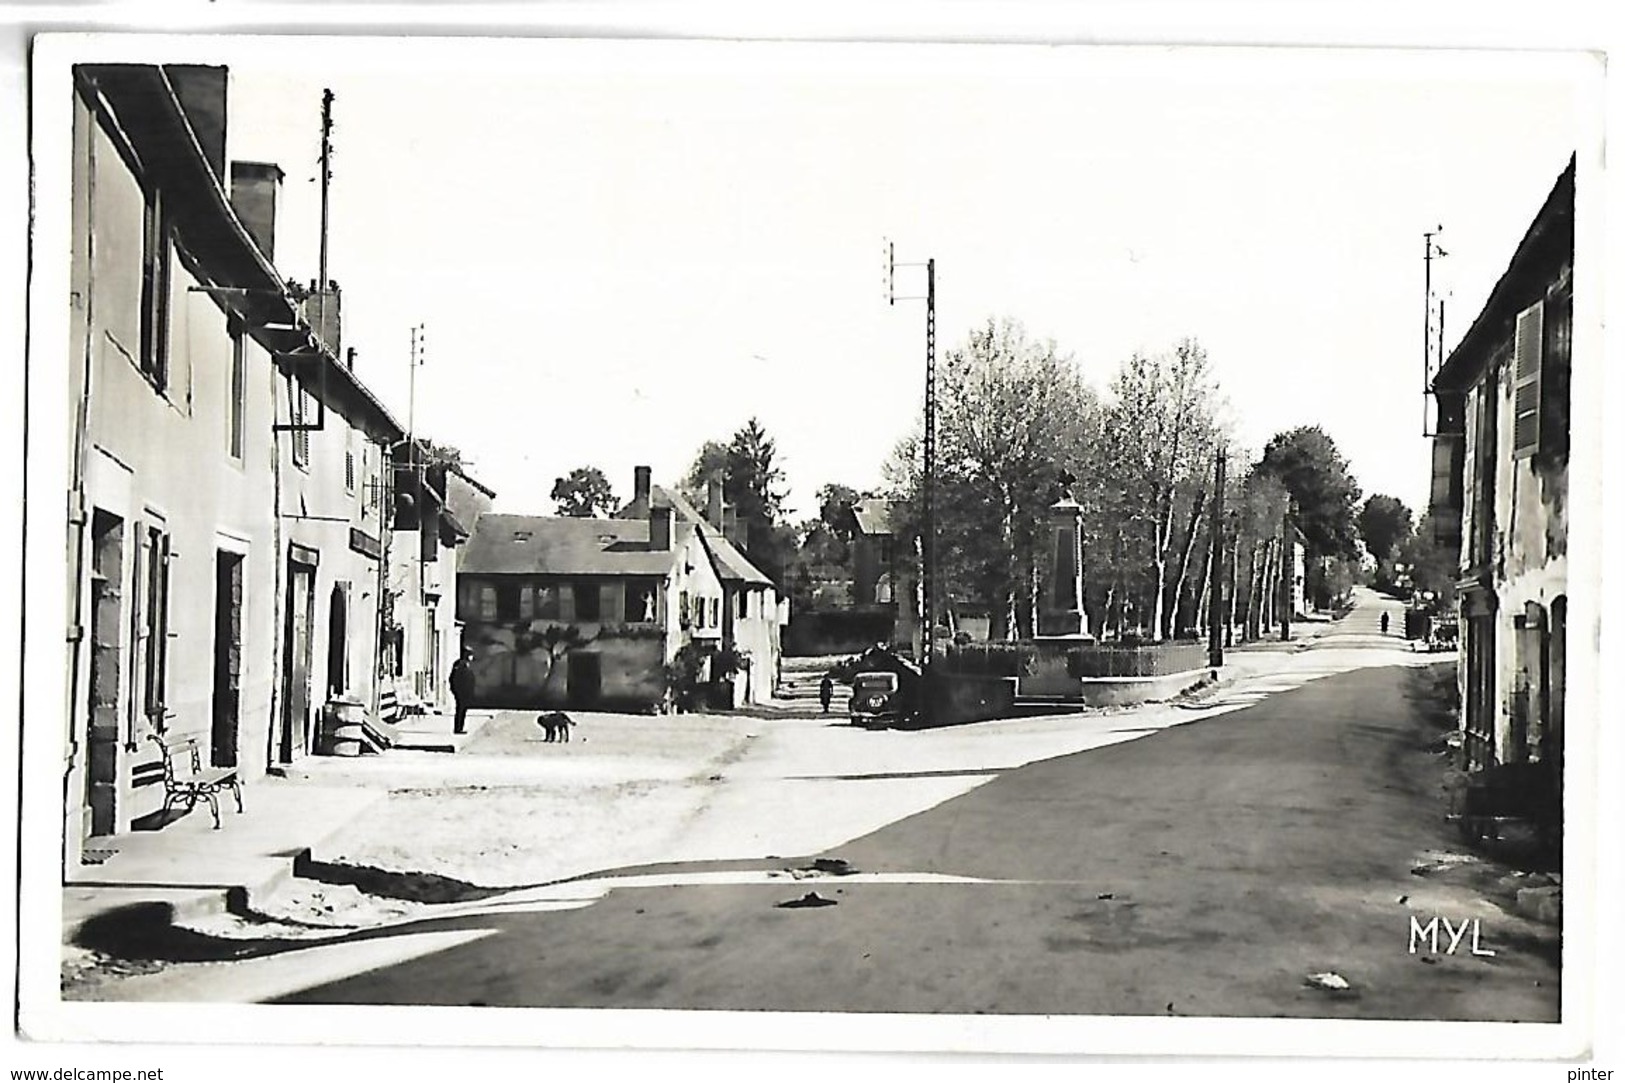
[{"x": 620, "y": 250}]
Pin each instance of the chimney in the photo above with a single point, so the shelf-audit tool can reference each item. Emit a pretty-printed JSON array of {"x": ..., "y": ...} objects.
[
  {"x": 255, "y": 189},
  {"x": 640, "y": 486},
  {"x": 322, "y": 310},
  {"x": 713, "y": 501},
  {"x": 660, "y": 529},
  {"x": 730, "y": 522}
]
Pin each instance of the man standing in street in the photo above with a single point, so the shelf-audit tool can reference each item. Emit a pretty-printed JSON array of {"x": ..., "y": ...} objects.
[
  {"x": 462, "y": 686},
  {"x": 826, "y": 692}
]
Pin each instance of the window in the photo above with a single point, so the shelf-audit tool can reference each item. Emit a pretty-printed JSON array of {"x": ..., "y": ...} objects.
[
  {"x": 155, "y": 259},
  {"x": 586, "y": 593},
  {"x": 743, "y": 598},
  {"x": 1527, "y": 354},
  {"x": 510, "y": 598},
  {"x": 349, "y": 460},
  {"x": 487, "y": 602},
  {"x": 547, "y": 601},
  {"x": 155, "y": 624},
  {"x": 699, "y": 612},
  {"x": 716, "y": 612},
  {"x": 239, "y": 390},
  {"x": 640, "y": 602},
  {"x": 683, "y": 617},
  {"x": 299, "y": 416},
  {"x": 1487, "y": 442}
]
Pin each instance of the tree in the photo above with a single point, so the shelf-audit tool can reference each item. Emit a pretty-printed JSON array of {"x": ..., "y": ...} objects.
[
  {"x": 1385, "y": 524},
  {"x": 1013, "y": 417},
  {"x": 1161, "y": 433},
  {"x": 1261, "y": 506},
  {"x": 753, "y": 483},
  {"x": 585, "y": 493},
  {"x": 711, "y": 461},
  {"x": 1432, "y": 568},
  {"x": 824, "y": 542},
  {"x": 431, "y": 452},
  {"x": 1307, "y": 463},
  {"x": 834, "y": 503}
]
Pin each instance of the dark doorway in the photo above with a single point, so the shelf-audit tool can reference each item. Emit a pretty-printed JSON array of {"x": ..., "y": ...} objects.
[
  {"x": 431, "y": 667},
  {"x": 584, "y": 680},
  {"x": 228, "y": 657},
  {"x": 296, "y": 663},
  {"x": 106, "y": 631},
  {"x": 338, "y": 642}
]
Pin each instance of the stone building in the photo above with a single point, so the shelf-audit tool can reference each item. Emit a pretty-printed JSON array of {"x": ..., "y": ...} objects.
[
  {"x": 1500, "y": 499},
  {"x": 223, "y": 533}
]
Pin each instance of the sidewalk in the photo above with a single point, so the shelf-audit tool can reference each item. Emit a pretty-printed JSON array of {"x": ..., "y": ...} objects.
[{"x": 195, "y": 870}]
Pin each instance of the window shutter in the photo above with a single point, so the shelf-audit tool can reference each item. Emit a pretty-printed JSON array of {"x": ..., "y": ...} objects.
[{"x": 1527, "y": 354}]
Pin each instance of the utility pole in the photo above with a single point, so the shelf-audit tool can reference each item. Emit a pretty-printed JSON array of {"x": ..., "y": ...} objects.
[
  {"x": 1215, "y": 590},
  {"x": 327, "y": 177},
  {"x": 1430, "y": 250},
  {"x": 412, "y": 444},
  {"x": 928, "y": 540}
]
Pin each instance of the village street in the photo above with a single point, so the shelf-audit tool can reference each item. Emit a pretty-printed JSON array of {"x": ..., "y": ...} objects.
[{"x": 1203, "y": 857}]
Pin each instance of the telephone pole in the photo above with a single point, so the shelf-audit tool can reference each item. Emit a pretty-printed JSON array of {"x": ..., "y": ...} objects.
[
  {"x": 1430, "y": 251},
  {"x": 327, "y": 177},
  {"x": 1215, "y": 589},
  {"x": 928, "y": 540}
]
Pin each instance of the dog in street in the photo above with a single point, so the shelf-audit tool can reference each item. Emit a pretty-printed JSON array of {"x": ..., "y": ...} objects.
[{"x": 556, "y": 725}]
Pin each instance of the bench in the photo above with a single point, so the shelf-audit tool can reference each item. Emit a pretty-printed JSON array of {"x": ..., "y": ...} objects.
[{"x": 186, "y": 779}]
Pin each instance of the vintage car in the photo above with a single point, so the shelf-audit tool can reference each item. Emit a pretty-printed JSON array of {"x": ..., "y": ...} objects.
[{"x": 875, "y": 700}]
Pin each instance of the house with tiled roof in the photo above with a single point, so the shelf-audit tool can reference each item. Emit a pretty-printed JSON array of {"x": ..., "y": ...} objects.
[
  {"x": 872, "y": 569},
  {"x": 751, "y": 615},
  {"x": 582, "y": 612}
]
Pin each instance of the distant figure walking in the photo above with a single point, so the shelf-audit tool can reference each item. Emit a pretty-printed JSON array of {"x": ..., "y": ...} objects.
[
  {"x": 462, "y": 687},
  {"x": 826, "y": 692},
  {"x": 1385, "y": 624}
]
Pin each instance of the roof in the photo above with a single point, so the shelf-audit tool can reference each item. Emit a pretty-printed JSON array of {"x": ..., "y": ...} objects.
[
  {"x": 462, "y": 471},
  {"x": 730, "y": 564},
  {"x": 153, "y": 108},
  {"x": 553, "y": 545},
  {"x": 873, "y": 515},
  {"x": 1547, "y": 246}
]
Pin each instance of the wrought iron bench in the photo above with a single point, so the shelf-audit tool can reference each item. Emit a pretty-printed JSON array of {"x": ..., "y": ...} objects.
[{"x": 197, "y": 781}]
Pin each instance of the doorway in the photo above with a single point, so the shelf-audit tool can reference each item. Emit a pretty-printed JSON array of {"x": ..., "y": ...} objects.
[
  {"x": 338, "y": 641},
  {"x": 431, "y": 667},
  {"x": 295, "y": 738},
  {"x": 228, "y": 658},
  {"x": 584, "y": 680}
]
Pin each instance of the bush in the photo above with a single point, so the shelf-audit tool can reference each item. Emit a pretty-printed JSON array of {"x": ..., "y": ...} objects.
[
  {"x": 990, "y": 659},
  {"x": 1119, "y": 660}
]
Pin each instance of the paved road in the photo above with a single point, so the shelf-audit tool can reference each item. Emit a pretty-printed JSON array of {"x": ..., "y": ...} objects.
[
  {"x": 1362, "y": 627},
  {"x": 1206, "y": 869}
]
